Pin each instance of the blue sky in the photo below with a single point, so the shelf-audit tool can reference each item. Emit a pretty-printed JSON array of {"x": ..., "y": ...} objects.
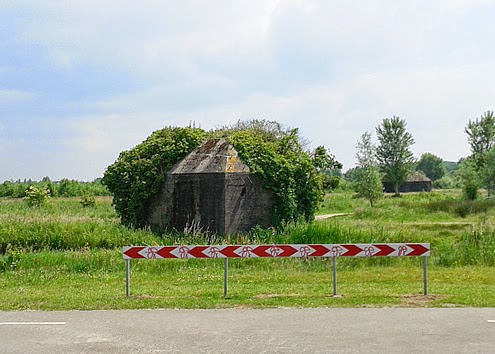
[{"x": 82, "y": 80}]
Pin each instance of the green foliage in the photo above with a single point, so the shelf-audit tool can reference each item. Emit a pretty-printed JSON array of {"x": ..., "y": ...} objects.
[
  {"x": 36, "y": 197},
  {"x": 331, "y": 183},
  {"x": 481, "y": 138},
  {"x": 446, "y": 182},
  {"x": 332, "y": 178},
  {"x": 487, "y": 170},
  {"x": 470, "y": 179},
  {"x": 63, "y": 188},
  {"x": 88, "y": 201},
  {"x": 136, "y": 176},
  {"x": 68, "y": 188},
  {"x": 481, "y": 133},
  {"x": 369, "y": 185},
  {"x": 367, "y": 179},
  {"x": 450, "y": 166},
  {"x": 286, "y": 168},
  {"x": 351, "y": 173},
  {"x": 432, "y": 166},
  {"x": 10, "y": 259},
  {"x": 474, "y": 248},
  {"x": 393, "y": 152}
]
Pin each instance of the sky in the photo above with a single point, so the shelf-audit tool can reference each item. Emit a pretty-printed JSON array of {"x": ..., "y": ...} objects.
[{"x": 83, "y": 80}]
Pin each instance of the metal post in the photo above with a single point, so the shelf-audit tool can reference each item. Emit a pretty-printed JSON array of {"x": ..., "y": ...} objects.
[
  {"x": 225, "y": 276},
  {"x": 425, "y": 277},
  {"x": 127, "y": 277},
  {"x": 334, "y": 261}
]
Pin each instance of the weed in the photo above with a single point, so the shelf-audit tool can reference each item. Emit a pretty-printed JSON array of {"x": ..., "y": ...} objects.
[{"x": 11, "y": 259}]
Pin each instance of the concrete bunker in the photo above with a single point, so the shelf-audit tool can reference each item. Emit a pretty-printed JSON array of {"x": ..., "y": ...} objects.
[{"x": 212, "y": 190}]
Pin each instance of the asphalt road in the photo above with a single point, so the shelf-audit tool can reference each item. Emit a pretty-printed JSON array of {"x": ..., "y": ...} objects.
[{"x": 366, "y": 330}]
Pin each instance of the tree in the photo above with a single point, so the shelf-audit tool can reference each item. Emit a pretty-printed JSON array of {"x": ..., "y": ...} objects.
[
  {"x": 481, "y": 133},
  {"x": 487, "y": 170},
  {"x": 393, "y": 154},
  {"x": 432, "y": 166},
  {"x": 368, "y": 181},
  {"x": 470, "y": 179},
  {"x": 481, "y": 138}
]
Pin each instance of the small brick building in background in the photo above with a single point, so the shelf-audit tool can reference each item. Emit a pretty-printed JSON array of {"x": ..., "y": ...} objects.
[{"x": 211, "y": 190}]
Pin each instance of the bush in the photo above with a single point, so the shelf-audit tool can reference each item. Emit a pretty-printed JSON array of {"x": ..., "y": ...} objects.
[
  {"x": 136, "y": 176},
  {"x": 36, "y": 197},
  {"x": 331, "y": 183},
  {"x": 290, "y": 172},
  {"x": 445, "y": 182},
  {"x": 88, "y": 200}
]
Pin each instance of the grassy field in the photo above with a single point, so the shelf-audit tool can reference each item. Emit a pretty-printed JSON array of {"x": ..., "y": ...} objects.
[{"x": 65, "y": 256}]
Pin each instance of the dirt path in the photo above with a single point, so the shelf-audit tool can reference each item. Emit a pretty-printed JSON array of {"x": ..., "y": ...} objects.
[{"x": 327, "y": 216}]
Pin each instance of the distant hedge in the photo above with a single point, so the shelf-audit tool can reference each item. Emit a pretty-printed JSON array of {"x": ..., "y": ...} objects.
[{"x": 63, "y": 188}]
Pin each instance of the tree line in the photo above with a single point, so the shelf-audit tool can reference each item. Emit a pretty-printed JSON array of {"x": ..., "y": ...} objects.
[{"x": 63, "y": 188}]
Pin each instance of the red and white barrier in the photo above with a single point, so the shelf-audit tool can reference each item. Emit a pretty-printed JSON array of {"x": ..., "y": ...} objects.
[
  {"x": 276, "y": 251},
  {"x": 333, "y": 251}
]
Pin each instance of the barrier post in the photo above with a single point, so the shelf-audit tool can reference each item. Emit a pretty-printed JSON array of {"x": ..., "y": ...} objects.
[
  {"x": 334, "y": 268},
  {"x": 425, "y": 277},
  {"x": 225, "y": 276},
  {"x": 127, "y": 277}
]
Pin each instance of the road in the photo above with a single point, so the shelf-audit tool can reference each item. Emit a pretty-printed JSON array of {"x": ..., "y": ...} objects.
[{"x": 322, "y": 330}]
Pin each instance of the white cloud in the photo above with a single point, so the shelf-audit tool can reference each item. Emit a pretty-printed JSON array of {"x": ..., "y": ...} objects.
[
  {"x": 150, "y": 38},
  {"x": 12, "y": 96}
]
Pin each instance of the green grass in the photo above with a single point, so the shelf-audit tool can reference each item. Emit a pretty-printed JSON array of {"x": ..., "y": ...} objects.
[
  {"x": 96, "y": 280},
  {"x": 64, "y": 256}
]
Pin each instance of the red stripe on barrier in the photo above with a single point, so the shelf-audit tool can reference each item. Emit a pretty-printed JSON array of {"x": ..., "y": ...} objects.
[
  {"x": 260, "y": 251},
  {"x": 352, "y": 250},
  {"x": 165, "y": 251},
  {"x": 385, "y": 250},
  {"x": 133, "y": 252},
  {"x": 418, "y": 250},
  {"x": 229, "y": 251},
  {"x": 287, "y": 251},
  {"x": 320, "y": 251},
  {"x": 198, "y": 252}
]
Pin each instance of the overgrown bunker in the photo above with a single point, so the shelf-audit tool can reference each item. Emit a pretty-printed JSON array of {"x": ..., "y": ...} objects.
[{"x": 212, "y": 190}]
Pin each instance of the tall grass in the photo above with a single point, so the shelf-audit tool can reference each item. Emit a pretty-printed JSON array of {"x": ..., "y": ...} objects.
[
  {"x": 66, "y": 226},
  {"x": 49, "y": 254},
  {"x": 473, "y": 248}
]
